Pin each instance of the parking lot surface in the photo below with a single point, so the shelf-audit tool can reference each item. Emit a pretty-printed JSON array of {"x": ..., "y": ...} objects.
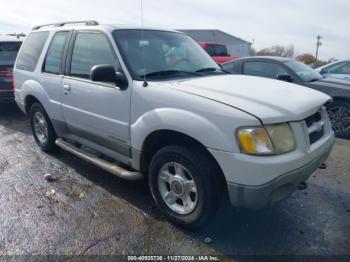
[{"x": 88, "y": 211}]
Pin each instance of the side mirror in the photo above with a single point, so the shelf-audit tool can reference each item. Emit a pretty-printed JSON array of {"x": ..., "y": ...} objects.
[
  {"x": 107, "y": 73},
  {"x": 284, "y": 77}
]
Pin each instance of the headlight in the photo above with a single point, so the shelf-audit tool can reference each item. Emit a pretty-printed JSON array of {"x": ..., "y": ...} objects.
[{"x": 267, "y": 140}]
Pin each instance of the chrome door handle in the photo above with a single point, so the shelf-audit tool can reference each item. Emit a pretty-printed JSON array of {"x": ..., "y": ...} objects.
[{"x": 67, "y": 88}]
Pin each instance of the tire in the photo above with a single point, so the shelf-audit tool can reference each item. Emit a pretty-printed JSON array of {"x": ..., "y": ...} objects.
[
  {"x": 339, "y": 113},
  {"x": 46, "y": 137},
  {"x": 196, "y": 167}
]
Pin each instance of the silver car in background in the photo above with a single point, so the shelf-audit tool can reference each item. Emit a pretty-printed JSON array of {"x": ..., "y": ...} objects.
[{"x": 339, "y": 69}]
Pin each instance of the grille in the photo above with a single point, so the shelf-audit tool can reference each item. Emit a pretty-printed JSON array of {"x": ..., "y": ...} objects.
[{"x": 315, "y": 127}]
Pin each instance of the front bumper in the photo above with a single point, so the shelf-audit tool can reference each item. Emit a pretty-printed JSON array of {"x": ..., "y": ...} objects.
[
  {"x": 257, "y": 197},
  {"x": 7, "y": 97},
  {"x": 256, "y": 182}
]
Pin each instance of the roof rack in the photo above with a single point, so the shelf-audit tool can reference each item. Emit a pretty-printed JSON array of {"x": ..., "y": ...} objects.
[{"x": 85, "y": 22}]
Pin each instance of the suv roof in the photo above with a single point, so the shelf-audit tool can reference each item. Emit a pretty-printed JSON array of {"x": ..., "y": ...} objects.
[
  {"x": 277, "y": 58},
  {"x": 94, "y": 25},
  {"x": 10, "y": 38}
]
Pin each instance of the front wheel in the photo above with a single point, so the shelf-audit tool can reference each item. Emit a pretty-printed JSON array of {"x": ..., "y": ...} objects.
[
  {"x": 182, "y": 184},
  {"x": 339, "y": 113}
]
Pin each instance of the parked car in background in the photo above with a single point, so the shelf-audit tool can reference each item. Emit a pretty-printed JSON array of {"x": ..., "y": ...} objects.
[
  {"x": 339, "y": 69},
  {"x": 159, "y": 107},
  {"x": 293, "y": 71},
  {"x": 217, "y": 51},
  {"x": 9, "y": 47}
]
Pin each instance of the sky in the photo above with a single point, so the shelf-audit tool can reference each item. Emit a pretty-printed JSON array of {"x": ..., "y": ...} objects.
[{"x": 263, "y": 22}]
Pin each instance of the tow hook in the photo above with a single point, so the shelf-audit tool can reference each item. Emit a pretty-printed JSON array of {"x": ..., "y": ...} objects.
[
  {"x": 302, "y": 186},
  {"x": 323, "y": 166}
]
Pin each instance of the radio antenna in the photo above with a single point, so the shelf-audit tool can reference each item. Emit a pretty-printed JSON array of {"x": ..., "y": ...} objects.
[{"x": 145, "y": 84}]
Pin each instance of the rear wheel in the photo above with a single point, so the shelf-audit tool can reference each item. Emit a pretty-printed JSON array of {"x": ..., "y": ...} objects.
[
  {"x": 339, "y": 113},
  {"x": 42, "y": 129},
  {"x": 183, "y": 186}
]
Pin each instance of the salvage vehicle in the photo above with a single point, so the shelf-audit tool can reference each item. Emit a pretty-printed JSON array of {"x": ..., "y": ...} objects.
[
  {"x": 218, "y": 52},
  {"x": 292, "y": 71},
  {"x": 9, "y": 46},
  {"x": 151, "y": 103},
  {"x": 339, "y": 69}
]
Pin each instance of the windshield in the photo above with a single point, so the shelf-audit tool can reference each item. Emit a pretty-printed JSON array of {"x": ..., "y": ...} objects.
[
  {"x": 148, "y": 52},
  {"x": 8, "y": 53},
  {"x": 303, "y": 71}
]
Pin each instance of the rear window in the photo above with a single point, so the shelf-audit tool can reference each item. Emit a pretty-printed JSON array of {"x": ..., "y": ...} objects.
[
  {"x": 8, "y": 53},
  {"x": 217, "y": 50},
  {"x": 31, "y": 50}
]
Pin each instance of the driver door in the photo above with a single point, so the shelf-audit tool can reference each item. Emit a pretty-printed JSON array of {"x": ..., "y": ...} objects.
[{"x": 95, "y": 111}]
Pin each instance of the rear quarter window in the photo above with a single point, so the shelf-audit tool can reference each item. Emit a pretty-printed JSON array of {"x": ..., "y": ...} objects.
[{"x": 31, "y": 50}]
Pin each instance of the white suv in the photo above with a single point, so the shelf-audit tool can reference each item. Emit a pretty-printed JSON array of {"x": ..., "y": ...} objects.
[{"x": 154, "y": 102}]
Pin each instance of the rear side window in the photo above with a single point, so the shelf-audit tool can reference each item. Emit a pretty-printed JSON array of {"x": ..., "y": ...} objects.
[
  {"x": 8, "y": 53},
  {"x": 54, "y": 56},
  {"x": 90, "y": 49},
  {"x": 31, "y": 50},
  {"x": 263, "y": 69}
]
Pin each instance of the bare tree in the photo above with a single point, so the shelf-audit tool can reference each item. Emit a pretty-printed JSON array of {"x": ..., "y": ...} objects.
[{"x": 278, "y": 50}]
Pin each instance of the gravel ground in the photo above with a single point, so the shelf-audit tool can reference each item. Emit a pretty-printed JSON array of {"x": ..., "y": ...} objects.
[{"x": 88, "y": 211}]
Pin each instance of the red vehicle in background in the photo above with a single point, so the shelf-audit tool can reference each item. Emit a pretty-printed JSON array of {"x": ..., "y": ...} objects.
[
  {"x": 9, "y": 47},
  {"x": 218, "y": 52}
]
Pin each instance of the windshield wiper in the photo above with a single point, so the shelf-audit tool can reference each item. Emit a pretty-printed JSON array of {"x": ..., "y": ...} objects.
[
  {"x": 211, "y": 69},
  {"x": 170, "y": 72}
]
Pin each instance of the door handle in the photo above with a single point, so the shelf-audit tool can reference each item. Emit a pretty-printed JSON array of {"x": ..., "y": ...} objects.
[{"x": 67, "y": 89}]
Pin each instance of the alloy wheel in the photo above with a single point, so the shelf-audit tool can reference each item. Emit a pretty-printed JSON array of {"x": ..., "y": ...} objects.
[
  {"x": 40, "y": 128},
  {"x": 340, "y": 118},
  {"x": 177, "y": 188}
]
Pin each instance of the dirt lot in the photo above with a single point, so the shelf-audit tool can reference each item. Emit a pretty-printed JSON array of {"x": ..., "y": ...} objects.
[{"x": 88, "y": 211}]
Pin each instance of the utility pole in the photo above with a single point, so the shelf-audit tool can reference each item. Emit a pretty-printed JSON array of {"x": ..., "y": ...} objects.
[{"x": 318, "y": 44}]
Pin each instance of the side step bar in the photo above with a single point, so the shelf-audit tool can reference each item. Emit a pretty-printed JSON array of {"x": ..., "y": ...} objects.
[{"x": 109, "y": 167}]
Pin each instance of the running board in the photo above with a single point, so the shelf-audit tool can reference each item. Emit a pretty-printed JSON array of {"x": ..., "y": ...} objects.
[{"x": 109, "y": 167}]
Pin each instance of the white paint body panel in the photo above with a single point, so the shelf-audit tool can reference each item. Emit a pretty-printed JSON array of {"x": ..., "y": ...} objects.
[
  {"x": 271, "y": 101},
  {"x": 208, "y": 109}
]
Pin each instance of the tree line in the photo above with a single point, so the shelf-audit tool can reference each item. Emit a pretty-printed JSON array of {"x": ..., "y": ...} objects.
[{"x": 289, "y": 51}]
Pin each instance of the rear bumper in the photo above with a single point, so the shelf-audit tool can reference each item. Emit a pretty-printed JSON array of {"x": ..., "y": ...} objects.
[
  {"x": 7, "y": 97},
  {"x": 266, "y": 195}
]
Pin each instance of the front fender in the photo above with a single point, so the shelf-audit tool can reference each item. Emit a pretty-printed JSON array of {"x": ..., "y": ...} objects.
[{"x": 179, "y": 120}]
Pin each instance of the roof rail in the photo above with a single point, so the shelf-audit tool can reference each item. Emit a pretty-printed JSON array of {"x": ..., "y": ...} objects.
[{"x": 85, "y": 22}]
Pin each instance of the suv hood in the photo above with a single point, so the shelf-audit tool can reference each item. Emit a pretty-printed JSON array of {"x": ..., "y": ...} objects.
[{"x": 269, "y": 100}]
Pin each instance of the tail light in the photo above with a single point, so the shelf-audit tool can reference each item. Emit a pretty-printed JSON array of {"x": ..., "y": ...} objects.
[{"x": 6, "y": 79}]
